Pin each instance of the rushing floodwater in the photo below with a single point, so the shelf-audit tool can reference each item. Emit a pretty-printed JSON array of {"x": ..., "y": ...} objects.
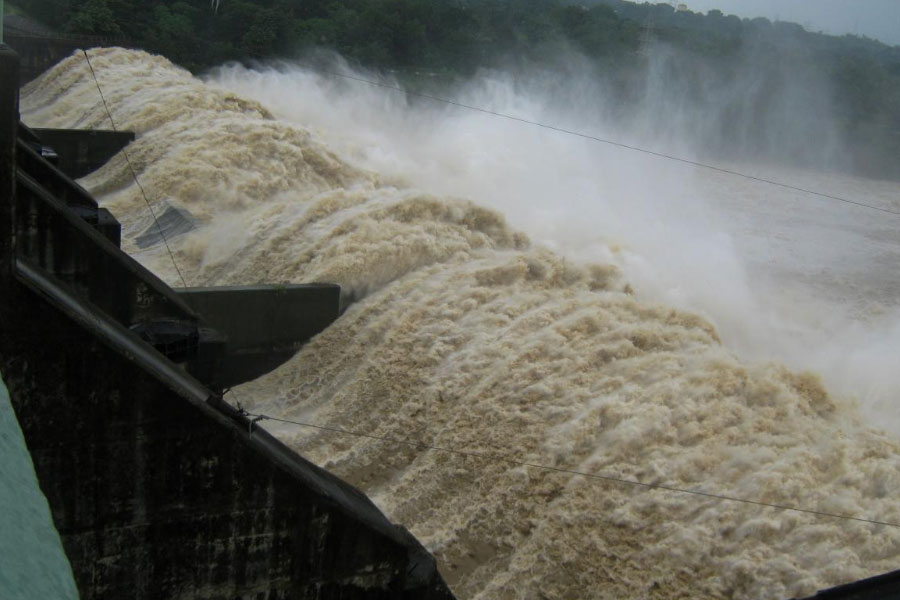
[{"x": 521, "y": 292}]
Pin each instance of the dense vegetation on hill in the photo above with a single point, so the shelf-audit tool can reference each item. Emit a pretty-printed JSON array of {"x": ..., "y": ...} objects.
[{"x": 751, "y": 60}]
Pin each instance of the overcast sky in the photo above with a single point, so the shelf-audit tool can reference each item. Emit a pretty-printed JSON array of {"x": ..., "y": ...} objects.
[{"x": 879, "y": 19}]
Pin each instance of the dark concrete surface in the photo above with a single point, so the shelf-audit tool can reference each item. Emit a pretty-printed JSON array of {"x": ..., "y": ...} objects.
[
  {"x": 63, "y": 187},
  {"x": 9, "y": 118},
  {"x": 264, "y": 325},
  {"x": 880, "y": 587},
  {"x": 82, "y": 151},
  {"x": 39, "y": 47},
  {"x": 158, "y": 492}
]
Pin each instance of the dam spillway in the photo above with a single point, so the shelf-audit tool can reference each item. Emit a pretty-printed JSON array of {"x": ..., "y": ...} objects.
[
  {"x": 157, "y": 487},
  {"x": 467, "y": 335}
]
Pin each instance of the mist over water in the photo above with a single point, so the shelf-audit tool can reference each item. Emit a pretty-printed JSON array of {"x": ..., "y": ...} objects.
[
  {"x": 653, "y": 324},
  {"x": 783, "y": 275}
]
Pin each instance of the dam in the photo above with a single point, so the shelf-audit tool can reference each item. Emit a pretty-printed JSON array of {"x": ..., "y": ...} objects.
[
  {"x": 159, "y": 488},
  {"x": 461, "y": 298}
]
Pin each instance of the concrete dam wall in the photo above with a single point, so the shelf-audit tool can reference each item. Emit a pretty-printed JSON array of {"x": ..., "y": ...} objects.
[
  {"x": 464, "y": 336},
  {"x": 158, "y": 488}
]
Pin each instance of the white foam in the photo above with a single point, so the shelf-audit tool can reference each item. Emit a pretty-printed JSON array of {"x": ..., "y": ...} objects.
[{"x": 466, "y": 335}]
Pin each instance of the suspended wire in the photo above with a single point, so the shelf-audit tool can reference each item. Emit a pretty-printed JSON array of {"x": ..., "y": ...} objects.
[
  {"x": 497, "y": 458},
  {"x": 134, "y": 174},
  {"x": 600, "y": 140}
]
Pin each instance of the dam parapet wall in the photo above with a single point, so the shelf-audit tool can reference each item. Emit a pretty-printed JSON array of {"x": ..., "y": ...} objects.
[
  {"x": 39, "y": 47},
  {"x": 263, "y": 325},
  {"x": 157, "y": 487},
  {"x": 81, "y": 151}
]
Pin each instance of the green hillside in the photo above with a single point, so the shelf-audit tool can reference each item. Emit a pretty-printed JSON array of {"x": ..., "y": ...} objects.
[{"x": 735, "y": 70}]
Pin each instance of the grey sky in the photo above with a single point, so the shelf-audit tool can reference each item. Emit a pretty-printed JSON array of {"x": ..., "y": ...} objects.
[{"x": 879, "y": 19}]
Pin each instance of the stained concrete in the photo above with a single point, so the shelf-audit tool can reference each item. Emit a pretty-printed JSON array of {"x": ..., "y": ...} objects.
[
  {"x": 880, "y": 587},
  {"x": 81, "y": 151},
  {"x": 39, "y": 47},
  {"x": 263, "y": 325}
]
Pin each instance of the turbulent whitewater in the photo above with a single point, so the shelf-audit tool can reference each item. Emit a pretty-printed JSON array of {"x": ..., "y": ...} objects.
[{"x": 462, "y": 333}]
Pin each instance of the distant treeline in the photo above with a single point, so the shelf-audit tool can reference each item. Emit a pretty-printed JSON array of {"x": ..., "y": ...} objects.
[{"x": 752, "y": 60}]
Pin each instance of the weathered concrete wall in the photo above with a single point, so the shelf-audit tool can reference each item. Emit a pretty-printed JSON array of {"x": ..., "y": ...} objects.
[
  {"x": 82, "y": 151},
  {"x": 264, "y": 325},
  {"x": 9, "y": 118},
  {"x": 40, "y": 48},
  {"x": 157, "y": 488},
  {"x": 880, "y": 587},
  {"x": 37, "y": 54},
  {"x": 62, "y": 187},
  {"x": 155, "y": 496},
  {"x": 52, "y": 236}
]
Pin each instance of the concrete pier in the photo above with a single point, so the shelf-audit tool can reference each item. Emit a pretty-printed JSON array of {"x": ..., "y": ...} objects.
[
  {"x": 82, "y": 151},
  {"x": 263, "y": 325}
]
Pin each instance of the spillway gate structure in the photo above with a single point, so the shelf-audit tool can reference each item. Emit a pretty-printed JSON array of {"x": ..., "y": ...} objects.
[{"x": 153, "y": 482}]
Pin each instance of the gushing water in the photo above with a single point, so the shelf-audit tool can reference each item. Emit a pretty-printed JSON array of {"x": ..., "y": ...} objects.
[{"x": 585, "y": 334}]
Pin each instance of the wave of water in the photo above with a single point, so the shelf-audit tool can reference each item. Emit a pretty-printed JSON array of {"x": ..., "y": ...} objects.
[{"x": 582, "y": 330}]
